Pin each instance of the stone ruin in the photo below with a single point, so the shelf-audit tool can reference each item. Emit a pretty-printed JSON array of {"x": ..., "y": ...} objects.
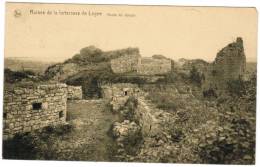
[
  {"x": 142, "y": 123},
  {"x": 151, "y": 119},
  {"x": 229, "y": 64},
  {"x": 134, "y": 63},
  {"x": 33, "y": 107},
  {"x": 152, "y": 66},
  {"x": 118, "y": 94},
  {"x": 74, "y": 92},
  {"x": 126, "y": 63}
]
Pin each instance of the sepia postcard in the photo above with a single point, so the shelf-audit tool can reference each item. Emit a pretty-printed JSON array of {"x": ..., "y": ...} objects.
[{"x": 129, "y": 83}]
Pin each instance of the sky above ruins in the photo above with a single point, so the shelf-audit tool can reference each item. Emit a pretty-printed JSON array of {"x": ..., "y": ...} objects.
[{"x": 175, "y": 32}]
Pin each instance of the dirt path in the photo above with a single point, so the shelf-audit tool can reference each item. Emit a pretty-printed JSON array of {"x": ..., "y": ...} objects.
[{"x": 91, "y": 121}]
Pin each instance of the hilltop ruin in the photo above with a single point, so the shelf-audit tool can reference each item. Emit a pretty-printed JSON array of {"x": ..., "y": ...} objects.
[
  {"x": 141, "y": 65},
  {"x": 229, "y": 64}
]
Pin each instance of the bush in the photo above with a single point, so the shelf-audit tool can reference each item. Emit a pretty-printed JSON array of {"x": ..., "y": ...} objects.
[
  {"x": 128, "y": 110},
  {"x": 29, "y": 72},
  {"x": 14, "y": 76},
  {"x": 210, "y": 93},
  {"x": 57, "y": 130},
  {"x": 236, "y": 87},
  {"x": 195, "y": 76},
  {"x": 168, "y": 78},
  {"x": 127, "y": 79},
  {"x": 21, "y": 146},
  {"x": 87, "y": 55},
  {"x": 237, "y": 145},
  {"x": 35, "y": 145},
  {"x": 133, "y": 142},
  {"x": 163, "y": 96}
]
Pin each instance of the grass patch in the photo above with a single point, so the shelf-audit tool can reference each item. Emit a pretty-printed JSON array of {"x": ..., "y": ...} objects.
[{"x": 35, "y": 145}]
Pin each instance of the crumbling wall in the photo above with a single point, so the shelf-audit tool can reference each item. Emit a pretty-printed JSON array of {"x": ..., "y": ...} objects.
[
  {"x": 119, "y": 90},
  {"x": 119, "y": 93},
  {"x": 152, "y": 120},
  {"x": 60, "y": 72},
  {"x": 74, "y": 93},
  {"x": 30, "y": 108},
  {"x": 229, "y": 64},
  {"x": 153, "y": 66},
  {"x": 142, "y": 66},
  {"x": 126, "y": 63}
]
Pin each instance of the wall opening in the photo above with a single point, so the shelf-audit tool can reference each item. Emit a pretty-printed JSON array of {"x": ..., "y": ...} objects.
[
  {"x": 125, "y": 93},
  {"x": 5, "y": 115},
  {"x": 61, "y": 114},
  {"x": 37, "y": 106}
]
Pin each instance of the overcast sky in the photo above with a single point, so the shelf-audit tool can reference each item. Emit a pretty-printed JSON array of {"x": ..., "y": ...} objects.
[{"x": 175, "y": 32}]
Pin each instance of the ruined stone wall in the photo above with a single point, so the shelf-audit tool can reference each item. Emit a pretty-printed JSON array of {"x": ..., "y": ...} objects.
[
  {"x": 229, "y": 64},
  {"x": 124, "y": 64},
  {"x": 119, "y": 93},
  {"x": 152, "y": 120},
  {"x": 27, "y": 109},
  {"x": 119, "y": 90},
  {"x": 143, "y": 66},
  {"x": 60, "y": 72},
  {"x": 152, "y": 66},
  {"x": 74, "y": 93}
]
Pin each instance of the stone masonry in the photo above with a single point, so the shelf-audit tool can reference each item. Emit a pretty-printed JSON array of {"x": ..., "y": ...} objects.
[
  {"x": 124, "y": 64},
  {"x": 74, "y": 93},
  {"x": 140, "y": 65},
  {"x": 151, "y": 119},
  {"x": 153, "y": 66},
  {"x": 229, "y": 64},
  {"x": 118, "y": 94},
  {"x": 30, "y": 108}
]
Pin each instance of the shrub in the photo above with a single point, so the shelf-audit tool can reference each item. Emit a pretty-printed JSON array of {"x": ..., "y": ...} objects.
[
  {"x": 29, "y": 72},
  {"x": 21, "y": 146},
  {"x": 133, "y": 142},
  {"x": 14, "y": 76},
  {"x": 164, "y": 98},
  {"x": 168, "y": 78},
  {"x": 236, "y": 146},
  {"x": 35, "y": 145},
  {"x": 195, "y": 76},
  {"x": 210, "y": 93},
  {"x": 236, "y": 87},
  {"x": 128, "y": 110},
  {"x": 89, "y": 54}
]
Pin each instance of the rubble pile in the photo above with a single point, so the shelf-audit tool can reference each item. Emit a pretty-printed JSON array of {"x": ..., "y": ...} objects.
[{"x": 128, "y": 139}]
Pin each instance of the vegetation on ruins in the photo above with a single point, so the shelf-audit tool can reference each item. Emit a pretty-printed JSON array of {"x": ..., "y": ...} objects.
[
  {"x": 196, "y": 77},
  {"x": 236, "y": 134},
  {"x": 91, "y": 54},
  {"x": 36, "y": 145},
  {"x": 236, "y": 87},
  {"x": 17, "y": 76},
  {"x": 210, "y": 93},
  {"x": 195, "y": 123},
  {"x": 128, "y": 110}
]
